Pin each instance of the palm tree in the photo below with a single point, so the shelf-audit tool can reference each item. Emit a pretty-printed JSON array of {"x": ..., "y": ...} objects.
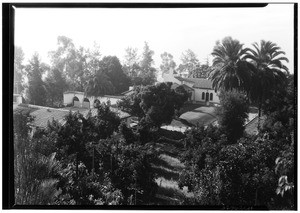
[
  {"x": 230, "y": 70},
  {"x": 269, "y": 72}
]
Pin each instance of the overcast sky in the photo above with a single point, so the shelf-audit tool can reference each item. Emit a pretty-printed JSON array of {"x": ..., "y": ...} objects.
[{"x": 171, "y": 30}]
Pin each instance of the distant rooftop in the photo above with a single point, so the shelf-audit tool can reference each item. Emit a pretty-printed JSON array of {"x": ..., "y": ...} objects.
[
  {"x": 175, "y": 85},
  {"x": 76, "y": 92},
  {"x": 44, "y": 114},
  {"x": 200, "y": 83}
]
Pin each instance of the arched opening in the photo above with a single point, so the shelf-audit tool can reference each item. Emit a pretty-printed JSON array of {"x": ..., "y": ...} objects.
[
  {"x": 76, "y": 102},
  {"x": 96, "y": 103},
  {"x": 86, "y": 103},
  {"x": 203, "y": 95},
  {"x": 207, "y": 97},
  {"x": 211, "y": 96}
]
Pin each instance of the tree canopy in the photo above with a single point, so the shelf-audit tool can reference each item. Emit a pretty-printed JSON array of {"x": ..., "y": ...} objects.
[
  {"x": 155, "y": 104},
  {"x": 189, "y": 62},
  {"x": 167, "y": 63},
  {"x": 35, "y": 89}
]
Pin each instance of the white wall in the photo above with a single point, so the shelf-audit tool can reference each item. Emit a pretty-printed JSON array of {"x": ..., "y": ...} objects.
[
  {"x": 198, "y": 95},
  {"x": 86, "y": 104},
  {"x": 68, "y": 97}
]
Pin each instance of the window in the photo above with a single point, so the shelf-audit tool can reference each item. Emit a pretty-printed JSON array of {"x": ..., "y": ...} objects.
[
  {"x": 203, "y": 95},
  {"x": 207, "y": 96},
  {"x": 211, "y": 96}
]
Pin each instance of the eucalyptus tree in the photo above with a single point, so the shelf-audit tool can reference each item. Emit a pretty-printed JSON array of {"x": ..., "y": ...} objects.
[
  {"x": 189, "y": 62},
  {"x": 131, "y": 63},
  {"x": 167, "y": 62}
]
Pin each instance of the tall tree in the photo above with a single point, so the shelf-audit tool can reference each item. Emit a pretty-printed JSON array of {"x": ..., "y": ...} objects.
[
  {"x": 269, "y": 73},
  {"x": 167, "y": 62},
  {"x": 99, "y": 85},
  {"x": 64, "y": 57},
  {"x": 201, "y": 71},
  {"x": 111, "y": 66},
  {"x": 230, "y": 70},
  {"x": 131, "y": 64},
  {"x": 77, "y": 64},
  {"x": 18, "y": 69},
  {"x": 36, "y": 90},
  {"x": 147, "y": 71},
  {"x": 55, "y": 84},
  {"x": 232, "y": 114},
  {"x": 189, "y": 62}
]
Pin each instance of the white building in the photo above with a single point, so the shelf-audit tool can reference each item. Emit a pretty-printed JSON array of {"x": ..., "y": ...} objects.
[
  {"x": 80, "y": 100},
  {"x": 200, "y": 89}
]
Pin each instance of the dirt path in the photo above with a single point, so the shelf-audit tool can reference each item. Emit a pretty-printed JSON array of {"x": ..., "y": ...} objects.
[{"x": 168, "y": 168}]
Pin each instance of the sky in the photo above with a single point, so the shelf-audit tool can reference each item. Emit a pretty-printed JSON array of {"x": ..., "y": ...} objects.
[{"x": 170, "y": 30}]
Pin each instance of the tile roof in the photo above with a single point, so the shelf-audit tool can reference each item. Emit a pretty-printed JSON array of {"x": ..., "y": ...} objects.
[
  {"x": 187, "y": 87},
  {"x": 44, "y": 114},
  {"x": 114, "y": 96},
  {"x": 76, "y": 92},
  {"x": 201, "y": 83},
  {"x": 183, "y": 79},
  {"x": 175, "y": 85}
]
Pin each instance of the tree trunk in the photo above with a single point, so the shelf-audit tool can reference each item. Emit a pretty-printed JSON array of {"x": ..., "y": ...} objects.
[
  {"x": 76, "y": 165},
  {"x": 259, "y": 112},
  {"x": 93, "y": 163}
]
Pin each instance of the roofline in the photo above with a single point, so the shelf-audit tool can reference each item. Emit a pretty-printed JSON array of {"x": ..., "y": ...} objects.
[
  {"x": 188, "y": 80},
  {"x": 42, "y": 107},
  {"x": 76, "y": 92},
  {"x": 203, "y": 88},
  {"x": 187, "y": 86},
  {"x": 127, "y": 91},
  {"x": 111, "y": 96}
]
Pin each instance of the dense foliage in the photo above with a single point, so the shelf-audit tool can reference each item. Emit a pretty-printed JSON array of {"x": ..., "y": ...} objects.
[
  {"x": 34, "y": 172},
  {"x": 55, "y": 86},
  {"x": 89, "y": 160},
  {"x": 232, "y": 114},
  {"x": 255, "y": 172},
  {"x": 35, "y": 90},
  {"x": 101, "y": 160},
  {"x": 155, "y": 105}
]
